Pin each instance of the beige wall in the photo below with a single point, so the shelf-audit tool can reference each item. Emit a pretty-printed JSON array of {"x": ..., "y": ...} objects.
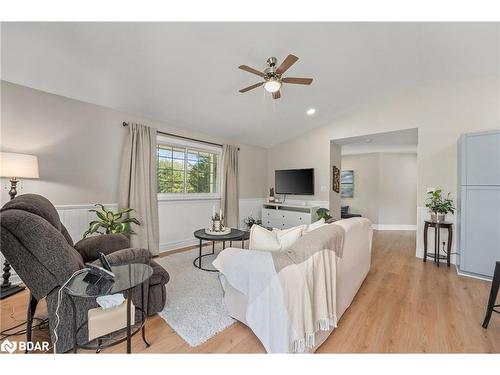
[
  {"x": 385, "y": 187},
  {"x": 79, "y": 146}
]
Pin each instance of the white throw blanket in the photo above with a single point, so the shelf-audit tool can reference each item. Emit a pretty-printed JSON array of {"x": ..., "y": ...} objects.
[{"x": 291, "y": 294}]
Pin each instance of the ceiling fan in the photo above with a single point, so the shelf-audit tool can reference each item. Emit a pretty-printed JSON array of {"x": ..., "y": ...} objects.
[{"x": 273, "y": 76}]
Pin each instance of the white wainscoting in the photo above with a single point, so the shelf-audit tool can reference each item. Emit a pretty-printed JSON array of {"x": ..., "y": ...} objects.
[
  {"x": 178, "y": 219},
  {"x": 76, "y": 218},
  {"x": 422, "y": 215}
]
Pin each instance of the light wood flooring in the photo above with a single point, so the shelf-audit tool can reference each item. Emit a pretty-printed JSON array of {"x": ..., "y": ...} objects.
[{"x": 404, "y": 306}]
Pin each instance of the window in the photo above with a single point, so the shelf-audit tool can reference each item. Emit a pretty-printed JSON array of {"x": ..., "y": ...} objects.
[{"x": 186, "y": 168}]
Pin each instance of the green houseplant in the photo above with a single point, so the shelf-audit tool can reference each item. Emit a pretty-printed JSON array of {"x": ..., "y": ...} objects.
[
  {"x": 250, "y": 221},
  {"x": 111, "y": 222},
  {"x": 323, "y": 213},
  {"x": 439, "y": 205}
]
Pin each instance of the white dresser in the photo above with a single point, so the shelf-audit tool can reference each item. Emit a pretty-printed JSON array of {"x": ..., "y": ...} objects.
[{"x": 282, "y": 215}]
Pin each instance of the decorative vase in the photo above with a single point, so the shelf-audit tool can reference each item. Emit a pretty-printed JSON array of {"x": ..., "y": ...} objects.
[
  {"x": 217, "y": 225},
  {"x": 437, "y": 217}
]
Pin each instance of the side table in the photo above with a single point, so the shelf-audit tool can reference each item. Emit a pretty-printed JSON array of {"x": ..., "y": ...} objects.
[
  {"x": 127, "y": 277},
  {"x": 437, "y": 226},
  {"x": 234, "y": 235}
]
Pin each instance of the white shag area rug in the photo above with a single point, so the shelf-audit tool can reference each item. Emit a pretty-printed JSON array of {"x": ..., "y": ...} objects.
[{"x": 194, "y": 308}]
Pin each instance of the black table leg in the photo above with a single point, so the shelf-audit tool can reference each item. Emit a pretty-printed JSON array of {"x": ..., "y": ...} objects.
[
  {"x": 426, "y": 228},
  {"x": 29, "y": 320},
  {"x": 73, "y": 307},
  {"x": 144, "y": 312},
  {"x": 450, "y": 240},
  {"x": 436, "y": 244},
  {"x": 213, "y": 247},
  {"x": 199, "y": 257},
  {"x": 129, "y": 343},
  {"x": 438, "y": 241},
  {"x": 495, "y": 285},
  {"x": 223, "y": 245}
]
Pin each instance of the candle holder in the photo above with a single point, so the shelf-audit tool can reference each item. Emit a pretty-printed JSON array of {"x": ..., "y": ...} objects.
[{"x": 218, "y": 223}]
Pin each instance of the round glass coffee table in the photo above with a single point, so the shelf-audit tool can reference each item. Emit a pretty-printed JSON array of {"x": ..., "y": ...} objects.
[
  {"x": 127, "y": 277},
  {"x": 234, "y": 235}
]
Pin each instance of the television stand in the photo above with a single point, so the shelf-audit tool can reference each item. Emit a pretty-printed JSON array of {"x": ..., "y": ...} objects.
[{"x": 287, "y": 215}]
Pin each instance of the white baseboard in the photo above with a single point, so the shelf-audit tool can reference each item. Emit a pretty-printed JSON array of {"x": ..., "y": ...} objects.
[
  {"x": 169, "y": 246},
  {"x": 394, "y": 227}
]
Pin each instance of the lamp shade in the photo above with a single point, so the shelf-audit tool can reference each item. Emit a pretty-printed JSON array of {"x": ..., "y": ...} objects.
[{"x": 18, "y": 165}]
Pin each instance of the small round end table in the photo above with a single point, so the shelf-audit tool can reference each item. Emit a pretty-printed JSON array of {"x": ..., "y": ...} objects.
[{"x": 234, "y": 235}]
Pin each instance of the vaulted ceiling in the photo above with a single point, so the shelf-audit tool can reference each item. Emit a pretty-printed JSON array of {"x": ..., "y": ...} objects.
[{"x": 186, "y": 75}]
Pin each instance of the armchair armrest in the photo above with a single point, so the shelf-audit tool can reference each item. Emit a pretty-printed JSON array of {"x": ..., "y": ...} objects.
[
  {"x": 127, "y": 256},
  {"x": 90, "y": 247}
]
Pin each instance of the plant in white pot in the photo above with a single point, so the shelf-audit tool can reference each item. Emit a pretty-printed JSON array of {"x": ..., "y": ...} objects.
[{"x": 439, "y": 205}]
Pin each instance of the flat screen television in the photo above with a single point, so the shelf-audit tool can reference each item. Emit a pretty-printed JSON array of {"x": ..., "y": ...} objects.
[{"x": 294, "y": 181}]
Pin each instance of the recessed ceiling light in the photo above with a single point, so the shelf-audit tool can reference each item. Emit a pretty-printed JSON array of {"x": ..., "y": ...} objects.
[{"x": 311, "y": 111}]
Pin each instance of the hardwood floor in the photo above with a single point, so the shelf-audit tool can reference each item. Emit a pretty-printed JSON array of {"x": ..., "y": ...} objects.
[{"x": 404, "y": 306}]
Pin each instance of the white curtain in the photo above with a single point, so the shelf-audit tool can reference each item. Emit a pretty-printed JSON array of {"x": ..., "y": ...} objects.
[
  {"x": 229, "y": 190},
  {"x": 138, "y": 185}
]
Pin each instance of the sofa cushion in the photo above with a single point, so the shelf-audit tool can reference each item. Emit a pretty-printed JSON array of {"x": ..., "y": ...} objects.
[{"x": 275, "y": 240}]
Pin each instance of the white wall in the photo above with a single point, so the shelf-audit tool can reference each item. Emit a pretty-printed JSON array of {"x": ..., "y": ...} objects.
[
  {"x": 79, "y": 148},
  {"x": 385, "y": 188},
  {"x": 455, "y": 95}
]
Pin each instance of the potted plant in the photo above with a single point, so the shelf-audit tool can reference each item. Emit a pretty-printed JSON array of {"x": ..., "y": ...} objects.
[
  {"x": 250, "y": 221},
  {"x": 111, "y": 222},
  {"x": 439, "y": 205},
  {"x": 323, "y": 213}
]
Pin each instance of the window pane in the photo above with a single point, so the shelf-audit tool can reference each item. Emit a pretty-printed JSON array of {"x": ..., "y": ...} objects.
[
  {"x": 178, "y": 164},
  {"x": 193, "y": 155},
  {"x": 182, "y": 170},
  {"x": 178, "y": 153},
  {"x": 164, "y": 152}
]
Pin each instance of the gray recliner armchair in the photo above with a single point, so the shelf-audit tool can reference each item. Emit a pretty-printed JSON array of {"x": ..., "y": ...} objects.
[{"x": 41, "y": 251}]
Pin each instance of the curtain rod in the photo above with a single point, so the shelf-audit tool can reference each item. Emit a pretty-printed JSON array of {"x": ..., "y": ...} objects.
[{"x": 182, "y": 137}]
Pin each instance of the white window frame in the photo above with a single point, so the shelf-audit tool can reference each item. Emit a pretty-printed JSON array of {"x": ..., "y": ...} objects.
[{"x": 196, "y": 146}]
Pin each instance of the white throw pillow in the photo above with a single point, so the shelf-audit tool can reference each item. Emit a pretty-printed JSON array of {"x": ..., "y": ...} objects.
[
  {"x": 275, "y": 240},
  {"x": 317, "y": 224},
  {"x": 287, "y": 237},
  {"x": 263, "y": 239}
]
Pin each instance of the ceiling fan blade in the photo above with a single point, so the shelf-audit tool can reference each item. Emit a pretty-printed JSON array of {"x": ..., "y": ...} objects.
[
  {"x": 298, "y": 81},
  {"x": 287, "y": 63},
  {"x": 251, "y": 70},
  {"x": 276, "y": 95},
  {"x": 252, "y": 87}
]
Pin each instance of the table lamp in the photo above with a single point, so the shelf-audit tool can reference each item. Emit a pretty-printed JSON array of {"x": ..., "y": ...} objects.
[{"x": 15, "y": 166}]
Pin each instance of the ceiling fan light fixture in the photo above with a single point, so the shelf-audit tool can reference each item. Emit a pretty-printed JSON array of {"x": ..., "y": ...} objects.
[{"x": 272, "y": 85}]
